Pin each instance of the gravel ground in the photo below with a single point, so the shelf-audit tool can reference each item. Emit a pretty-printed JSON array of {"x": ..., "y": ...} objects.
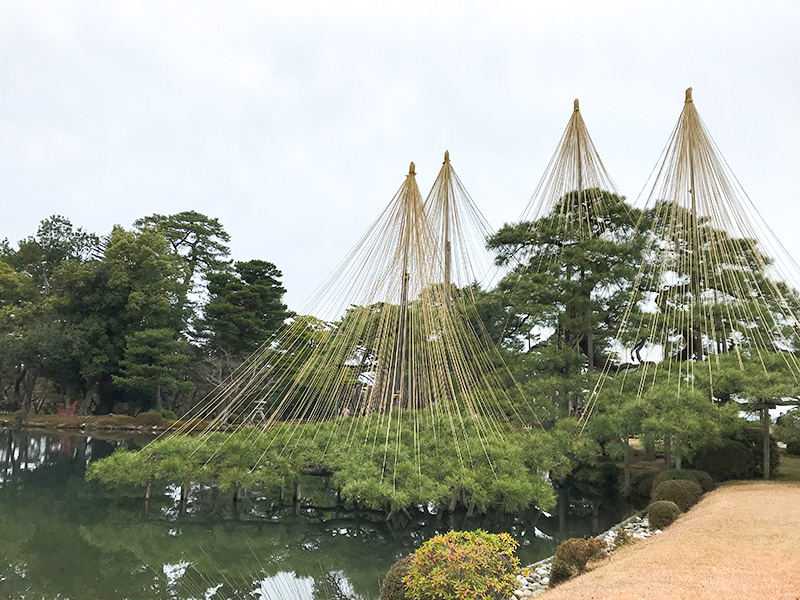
[{"x": 740, "y": 541}]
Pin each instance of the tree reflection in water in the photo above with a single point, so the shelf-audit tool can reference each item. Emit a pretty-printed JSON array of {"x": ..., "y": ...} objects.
[{"x": 64, "y": 537}]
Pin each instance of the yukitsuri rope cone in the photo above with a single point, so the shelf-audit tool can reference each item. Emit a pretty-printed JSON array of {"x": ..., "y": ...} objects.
[
  {"x": 389, "y": 363},
  {"x": 716, "y": 290},
  {"x": 573, "y": 230}
]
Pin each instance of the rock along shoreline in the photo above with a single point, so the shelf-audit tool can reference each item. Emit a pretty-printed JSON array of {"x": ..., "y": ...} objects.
[{"x": 537, "y": 581}]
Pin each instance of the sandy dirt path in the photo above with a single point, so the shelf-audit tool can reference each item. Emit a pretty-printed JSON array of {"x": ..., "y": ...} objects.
[{"x": 740, "y": 541}]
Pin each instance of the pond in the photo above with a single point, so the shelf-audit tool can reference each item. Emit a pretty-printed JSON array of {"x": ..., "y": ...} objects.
[{"x": 62, "y": 537}]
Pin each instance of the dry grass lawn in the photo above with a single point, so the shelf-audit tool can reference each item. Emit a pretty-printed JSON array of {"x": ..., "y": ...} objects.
[{"x": 740, "y": 541}]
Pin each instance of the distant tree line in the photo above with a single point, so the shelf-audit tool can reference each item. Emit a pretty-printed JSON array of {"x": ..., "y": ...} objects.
[{"x": 145, "y": 318}]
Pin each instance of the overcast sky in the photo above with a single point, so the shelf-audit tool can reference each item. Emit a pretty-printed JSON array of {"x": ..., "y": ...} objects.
[{"x": 294, "y": 122}]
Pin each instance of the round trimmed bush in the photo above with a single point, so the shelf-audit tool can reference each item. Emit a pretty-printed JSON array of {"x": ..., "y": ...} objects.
[
  {"x": 148, "y": 419},
  {"x": 394, "y": 585},
  {"x": 463, "y": 564},
  {"x": 705, "y": 480},
  {"x": 663, "y": 513},
  {"x": 572, "y": 555},
  {"x": 560, "y": 571},
  {"x": 682, "y": 492},
  {"x": 700, "y": 477}
]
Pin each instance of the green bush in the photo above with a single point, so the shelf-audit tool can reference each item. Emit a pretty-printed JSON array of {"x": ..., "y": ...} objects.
[
  {"x": 738, "y": 456},
  {"x": 700, "y": 477},
  {"x": 111, "y": 421},
  {"x": 148, "y": 419},
  {"x": 705, "y": 480},
  {"x": 560, "y": 571},
  {"x": 662, "y": 514},
  {"x": 793, "y": 448},
  {"x": 19, "y": 417},
  {"x": 644, "y": 485},
  {"x": 572, "y": 555},
  {"x": 463, "y": 564},
  {"x": 682, "y": 492},
  {"x": 394, "y": 585},
  {"x": 729, "y": 460},
  {"x": 168, "y": 414}
]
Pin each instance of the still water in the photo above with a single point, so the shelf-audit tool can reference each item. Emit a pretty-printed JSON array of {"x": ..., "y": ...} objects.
[{"x": 62, "y": 537}]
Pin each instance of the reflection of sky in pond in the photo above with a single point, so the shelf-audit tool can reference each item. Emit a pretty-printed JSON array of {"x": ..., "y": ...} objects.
[{"x": 66, "y": 538}]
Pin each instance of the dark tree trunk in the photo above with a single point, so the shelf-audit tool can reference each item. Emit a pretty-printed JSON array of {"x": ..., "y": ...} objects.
[
  {"x": 107, "y": 396},
  {"x": 627, "y": 466},
  {"x": 765, "y": 433}
]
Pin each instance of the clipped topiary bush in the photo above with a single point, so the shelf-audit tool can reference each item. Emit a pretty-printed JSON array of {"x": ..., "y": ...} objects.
[
  {"x": 729, "y": 460},
  {"x": 705, "y": 480},
  {"x": 560, "y": 571},
  {"x": 394, "y": 585},
  {"x": 148, "y": 419},
  {"x": 700, "y": 477},
  {"x": 463, "y": 564},
  {"x": 738, "y": 456},
  {"x": 682, "y": 492},
  {"x": 663, "y": 513},
  {"x": 572, "y": 555}
]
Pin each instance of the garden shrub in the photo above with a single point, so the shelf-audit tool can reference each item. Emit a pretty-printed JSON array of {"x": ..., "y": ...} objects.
[
  {"x": 148, "y": 419},
  {"x": 111, "y": 421},
  {"x": 644, "y": 485},
  {"x": 682, "y": 492},
  {"x": 738, "y": 456},
  {"x": 753, "y": 440},
  {"x": 622, "y": 538},
  {"x": 793, "y": 448},
  {"x": 700, "y": 477},
  {"x": 463, "y": 564},
  {"x": 729, "y": 460},
  {"x": 394, "y": 585},
  {"x": 663, "y": 513},
  {"x": 20, "y": 417},
  {"x": 572, "y": 555},
  {"x": 705, "y": 480},
  {"x": 168, "y": 414},
  {"x": 560, "y": 571}
]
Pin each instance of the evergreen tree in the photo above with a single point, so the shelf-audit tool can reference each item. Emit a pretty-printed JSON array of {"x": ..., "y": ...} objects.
[
  {"x": 153, "y": 366},
  {"x": 244, "y": 308}
]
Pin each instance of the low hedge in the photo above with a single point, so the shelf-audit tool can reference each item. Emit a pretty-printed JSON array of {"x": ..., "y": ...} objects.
[
  {"x": 682, "y": 492},
  {"x": 662, "y": 513}
]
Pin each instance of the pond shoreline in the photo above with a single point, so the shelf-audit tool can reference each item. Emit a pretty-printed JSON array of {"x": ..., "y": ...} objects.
[
  {"x": 111, "y": 422},
  {"x": 637, "y": 527}
]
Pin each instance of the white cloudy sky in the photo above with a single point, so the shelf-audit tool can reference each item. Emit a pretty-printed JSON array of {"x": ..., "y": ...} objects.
[{"x": 294, "y": 122}]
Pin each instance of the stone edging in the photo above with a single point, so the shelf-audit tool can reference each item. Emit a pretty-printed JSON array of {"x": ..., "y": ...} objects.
[{"x": 637, "y": 527}]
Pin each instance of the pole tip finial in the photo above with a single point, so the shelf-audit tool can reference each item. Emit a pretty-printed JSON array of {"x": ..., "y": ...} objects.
[
  {"x": 688, "y": 94},
  {"x": 576, "y": 105},
  {"x": 411, "y": 170},
  {"x": 447, "y": 156}
]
